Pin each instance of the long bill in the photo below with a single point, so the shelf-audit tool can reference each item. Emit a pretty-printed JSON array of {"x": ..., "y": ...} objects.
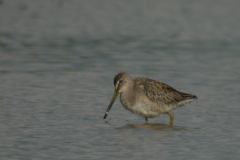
[{"x": 111, "y": 103}]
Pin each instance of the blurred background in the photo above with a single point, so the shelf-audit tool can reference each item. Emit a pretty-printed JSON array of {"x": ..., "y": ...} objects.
[{"x": 58, "y": 59}]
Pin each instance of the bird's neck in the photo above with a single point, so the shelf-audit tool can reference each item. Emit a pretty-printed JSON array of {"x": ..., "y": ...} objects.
[{"x": 128, "y": 97}]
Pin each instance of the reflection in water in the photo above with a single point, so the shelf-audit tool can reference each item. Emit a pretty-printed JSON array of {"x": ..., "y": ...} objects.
[{"x": 157, "y": 127}]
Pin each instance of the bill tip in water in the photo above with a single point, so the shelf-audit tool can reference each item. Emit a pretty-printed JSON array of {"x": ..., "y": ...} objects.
[{"x": 105, "y": 115}]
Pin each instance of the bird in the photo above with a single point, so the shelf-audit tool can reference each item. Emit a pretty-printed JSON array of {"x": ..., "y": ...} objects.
[{"x": 147, "y": 98}]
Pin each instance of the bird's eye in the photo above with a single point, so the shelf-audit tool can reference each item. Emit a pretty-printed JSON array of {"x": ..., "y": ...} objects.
[{"x": 120, "y": 82}]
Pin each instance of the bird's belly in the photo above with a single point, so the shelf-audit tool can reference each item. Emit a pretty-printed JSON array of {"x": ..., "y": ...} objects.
[{"x": 143, "y": 110}]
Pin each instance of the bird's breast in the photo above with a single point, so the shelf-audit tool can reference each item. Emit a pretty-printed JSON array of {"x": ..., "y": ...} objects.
[{"x": 127, "y": 101}]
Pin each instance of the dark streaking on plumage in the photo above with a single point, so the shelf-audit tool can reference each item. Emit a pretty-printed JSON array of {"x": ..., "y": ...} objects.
[{"x": 160, "y": 92}]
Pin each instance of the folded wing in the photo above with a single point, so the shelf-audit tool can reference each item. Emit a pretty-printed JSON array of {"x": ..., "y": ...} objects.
[{"x": 159, "y": 92}]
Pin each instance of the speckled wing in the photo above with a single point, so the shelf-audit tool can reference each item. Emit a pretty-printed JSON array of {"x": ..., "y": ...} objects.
[{"x": 160, "y": 92}]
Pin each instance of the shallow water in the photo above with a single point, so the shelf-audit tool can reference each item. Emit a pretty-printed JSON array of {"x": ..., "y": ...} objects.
[{"x": 57, "y": 64}]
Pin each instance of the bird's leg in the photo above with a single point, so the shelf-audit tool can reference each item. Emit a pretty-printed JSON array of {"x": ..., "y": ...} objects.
[
  {"x": 146, "y": 120},
  {"x": 171, "y": 118}
]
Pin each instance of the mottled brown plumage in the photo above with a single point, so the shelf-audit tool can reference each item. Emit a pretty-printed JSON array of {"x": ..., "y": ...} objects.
[
  {"x": 160, "y": 92},
  {"x": 148, "y": 98}
]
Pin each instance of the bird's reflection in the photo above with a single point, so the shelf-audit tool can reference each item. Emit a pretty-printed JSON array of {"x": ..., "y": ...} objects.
[{"x": 156, "y": 127}]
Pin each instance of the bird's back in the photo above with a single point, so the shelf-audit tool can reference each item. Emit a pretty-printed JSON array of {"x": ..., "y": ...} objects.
[{"x": 159, "y": 92}]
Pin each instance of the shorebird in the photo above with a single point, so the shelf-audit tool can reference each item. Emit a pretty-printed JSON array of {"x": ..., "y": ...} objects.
[{"x": 148, "y": 98}]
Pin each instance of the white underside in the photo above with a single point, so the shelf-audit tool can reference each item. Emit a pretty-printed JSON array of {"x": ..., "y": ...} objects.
[
  {"x": 145, "y": 111},
  {"x": 155, "y": 110}
]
